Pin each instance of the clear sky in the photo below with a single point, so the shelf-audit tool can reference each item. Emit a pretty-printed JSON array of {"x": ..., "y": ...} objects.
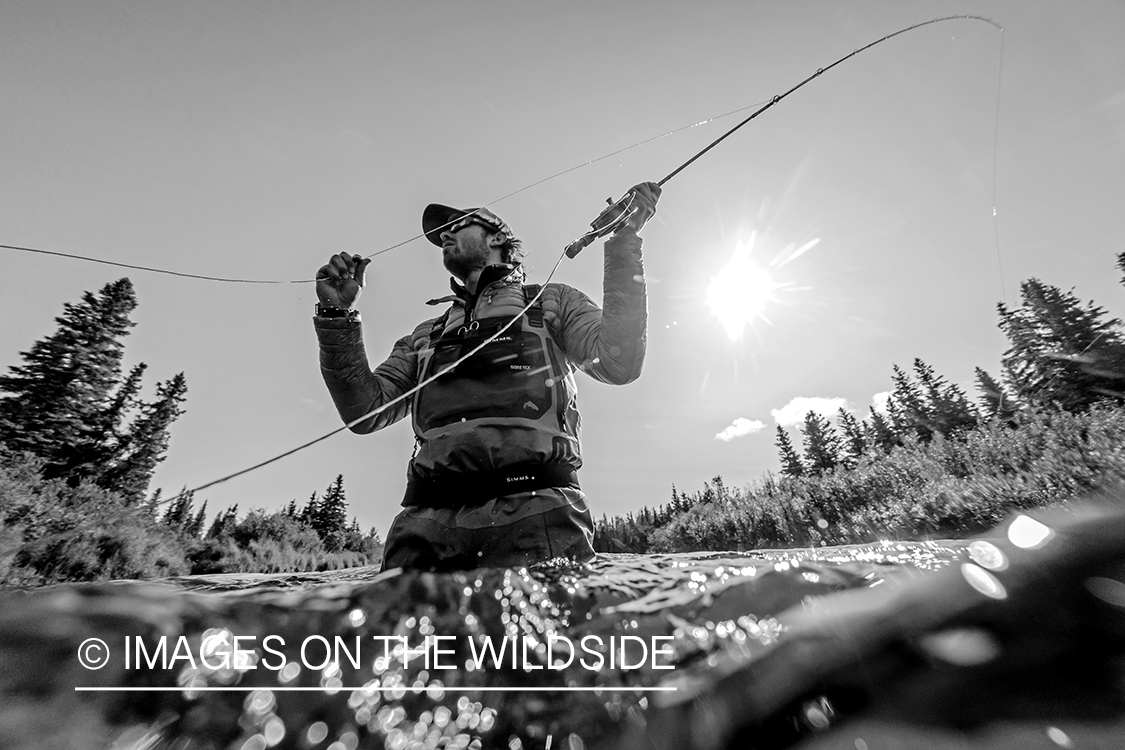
[{"x": 255, "y": 139}]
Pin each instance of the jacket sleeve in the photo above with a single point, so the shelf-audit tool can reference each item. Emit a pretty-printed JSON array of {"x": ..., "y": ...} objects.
[
  {"x": 609, "y": 343},
  {"x": 355, "y": 388}
]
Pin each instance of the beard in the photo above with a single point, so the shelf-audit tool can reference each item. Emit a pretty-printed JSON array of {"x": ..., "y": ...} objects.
[{"x": 469, "y": 255}]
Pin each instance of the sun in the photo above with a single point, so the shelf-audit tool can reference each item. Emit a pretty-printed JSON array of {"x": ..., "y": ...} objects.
[{"x": 741, "y": 291}]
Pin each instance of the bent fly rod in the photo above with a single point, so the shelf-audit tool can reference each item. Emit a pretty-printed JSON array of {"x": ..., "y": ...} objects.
[
  {"x": 619, "y": 211},
  {"x": 612, "y": 217}
]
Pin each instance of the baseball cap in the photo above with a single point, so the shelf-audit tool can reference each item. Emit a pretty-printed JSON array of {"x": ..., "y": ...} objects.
[{"x": 437, "y": 218}]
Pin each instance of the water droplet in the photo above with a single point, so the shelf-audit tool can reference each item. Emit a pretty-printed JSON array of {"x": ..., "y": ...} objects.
[
  {"x": 289, "y": 672},
  {"x": 987, "y": 555},
  {"x": 260, "y": 702},
  {"x": 818, "y": 713},
  {"x": 1059, "y": 737},
  {"x": 1109, "y": 590},
  {"x": 273, "y": 731},
  {"x": 317, "y": 732},
  {"x": 255, "y": 742},
  {"x": 1027, "y": 533},
  {"x": 983, "y": 581}
]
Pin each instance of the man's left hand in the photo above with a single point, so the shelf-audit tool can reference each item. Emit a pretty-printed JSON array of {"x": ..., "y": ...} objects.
[{"x": 643, "y": 207}]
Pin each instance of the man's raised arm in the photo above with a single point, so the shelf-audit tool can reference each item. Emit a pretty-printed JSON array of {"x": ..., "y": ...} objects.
[
  {"x": 609, "y": 343},
  {"x": 356, "y": 390}
]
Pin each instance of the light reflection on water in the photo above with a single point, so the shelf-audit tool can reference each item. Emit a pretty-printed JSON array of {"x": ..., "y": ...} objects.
[{"x": 717, "y": 612}]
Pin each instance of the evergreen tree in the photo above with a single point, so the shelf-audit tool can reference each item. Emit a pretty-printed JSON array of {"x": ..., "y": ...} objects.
[
  {"x": 146, "y": 441},
  {"x": 333, "y": 511},
  {"x": 224, "y": 523},
  {"x": 329, "y": 516},
  {"x": 822, "y": 444},
  {"x": 880, "y": 433},
  {"x": 907, "y": 407},
  {"x": 855, "y": 443},
  {"x": 309, "y": 512},
  {"x": 61, "y": 401},
  {"x": 994, "y": 400},
  {"x": 195, "y": 528},
  {"x": 152, "y": 504},
  {"x": 948, "y": 408},
  {"x": 1062, "y": 353},
  {"x": 928, "y": 404},
  {"x": 68, "y": 403},
  {"x": 1121, "y": 266},
  {"x": 124, "y": 401},
  {"x": 179, "y": 516},
  {"x": 790, "y": 462},
  {"x": 674, "y": 507}
]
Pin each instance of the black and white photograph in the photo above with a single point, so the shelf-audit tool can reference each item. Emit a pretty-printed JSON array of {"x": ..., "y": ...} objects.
[{"x": 562, "y": 376}]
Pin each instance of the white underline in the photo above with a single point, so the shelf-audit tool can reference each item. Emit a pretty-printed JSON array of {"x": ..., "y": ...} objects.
[{"x": 415, "y": 691}]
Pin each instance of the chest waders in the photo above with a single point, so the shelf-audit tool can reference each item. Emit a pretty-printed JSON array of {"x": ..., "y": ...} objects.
[{"x": 505, "y": 412}]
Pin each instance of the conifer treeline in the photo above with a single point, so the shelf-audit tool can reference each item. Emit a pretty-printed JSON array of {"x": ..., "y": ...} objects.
[
  {"x": 934, "y": 462},
  {"x": 70, "y": 405},
  {"x": 78, "y": 448},
  {"x": 316, "y": 537}
]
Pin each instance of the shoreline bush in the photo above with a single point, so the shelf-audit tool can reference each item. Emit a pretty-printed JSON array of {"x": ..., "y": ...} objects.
[
  {"x": 54, "y": 532},
  {"x": 947, "y": 487}
]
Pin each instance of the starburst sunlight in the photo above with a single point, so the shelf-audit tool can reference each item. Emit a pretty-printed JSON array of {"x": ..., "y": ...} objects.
[{"x": 741, "y": 291}]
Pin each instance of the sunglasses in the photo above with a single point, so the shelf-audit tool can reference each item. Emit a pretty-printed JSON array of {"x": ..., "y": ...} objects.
[{"x": 479, "y": 219}]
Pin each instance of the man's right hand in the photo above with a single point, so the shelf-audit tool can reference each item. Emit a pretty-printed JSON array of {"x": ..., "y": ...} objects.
[{"x": 340, "y": 281}]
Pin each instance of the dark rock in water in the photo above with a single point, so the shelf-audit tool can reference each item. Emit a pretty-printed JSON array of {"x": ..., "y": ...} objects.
[{"x": 1012, "y": 641}]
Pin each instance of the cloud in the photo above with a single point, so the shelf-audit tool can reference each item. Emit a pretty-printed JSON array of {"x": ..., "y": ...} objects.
[
  {"x": 740, "y": 427},
  {"x": 794, "y": 412},
  {"x": 879, "y": 401}
]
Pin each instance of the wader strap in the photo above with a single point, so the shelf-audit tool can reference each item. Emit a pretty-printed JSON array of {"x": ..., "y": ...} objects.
[
  {"x": 455, "y": 490},
  {"x": 535, "y": 312}
]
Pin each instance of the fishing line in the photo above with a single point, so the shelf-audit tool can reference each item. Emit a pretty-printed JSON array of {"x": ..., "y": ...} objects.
[
  {"x": 995, "y": 142},
  {"x": 136, "y": 268},
  {"x": 616, "y": 214},
  {"x": 397, "y": 399},
  {"x": 820, "y": 71},
  {"x": 397, "y": 245},
  {"x": 624, "y": 211},
  {"x": 401, "y": 397},
  {"x": 776, "y": 99}
]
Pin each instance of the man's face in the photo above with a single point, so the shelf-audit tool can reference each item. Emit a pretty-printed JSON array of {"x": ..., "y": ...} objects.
[{"x": 465, "y": 250}]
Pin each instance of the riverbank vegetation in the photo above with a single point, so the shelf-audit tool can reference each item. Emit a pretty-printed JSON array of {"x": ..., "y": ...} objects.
[
  {"x": 934, "y": 463},
  {"x": 79, "y": 445},
  {"x": 54, "y": 531},
  {"x": 78, "y": 448}
]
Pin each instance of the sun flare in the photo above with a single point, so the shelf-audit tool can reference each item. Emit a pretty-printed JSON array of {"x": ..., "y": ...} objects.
[{"x": 741, "y": 291}]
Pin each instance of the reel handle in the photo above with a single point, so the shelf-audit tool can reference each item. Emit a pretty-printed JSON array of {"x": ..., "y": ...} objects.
[{"x": 608, "y": 221}]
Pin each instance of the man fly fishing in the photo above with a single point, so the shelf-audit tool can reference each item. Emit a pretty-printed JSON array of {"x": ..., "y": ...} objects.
[{"x": 494, "y": 477}]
